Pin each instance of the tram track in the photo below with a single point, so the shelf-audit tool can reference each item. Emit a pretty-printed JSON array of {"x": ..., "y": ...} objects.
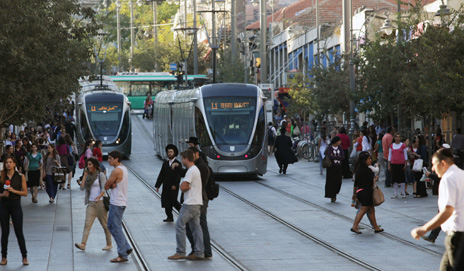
[
  {"x": 305, "y": 234},
  {"x": 349, "y": 219},
  {"x": 217, "y": 248}
]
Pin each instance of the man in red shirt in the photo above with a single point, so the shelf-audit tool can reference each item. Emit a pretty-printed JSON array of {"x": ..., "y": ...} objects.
[
  {"x": 386, "y": 142},
  {"x": 346, "y": 143}
]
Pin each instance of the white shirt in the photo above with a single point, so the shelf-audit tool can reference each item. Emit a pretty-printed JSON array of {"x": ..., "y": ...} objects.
[
  {"x": 95, "y": 189},
  {"x": 324, "y": 144},
  {"x": 194, "y": 196},
  {"x": 119, "y": 193},
  {"x": 450, "y": 193},
  {"x": 171, "y": 161}
]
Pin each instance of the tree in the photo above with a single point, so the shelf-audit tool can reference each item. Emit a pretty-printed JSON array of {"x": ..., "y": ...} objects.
[
  {"x": 325, "y": 91},
  {"x": 43, "y": 48},
  {"x": 229, "y": 71}
]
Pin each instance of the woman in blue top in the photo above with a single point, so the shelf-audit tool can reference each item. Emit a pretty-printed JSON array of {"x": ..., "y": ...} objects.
[{"x": 35, "y": 162}]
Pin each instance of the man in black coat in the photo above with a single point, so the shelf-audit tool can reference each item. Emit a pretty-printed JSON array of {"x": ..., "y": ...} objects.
[
  {"x": 170, "y": 181},
  {"x": 193, "y": 142}
]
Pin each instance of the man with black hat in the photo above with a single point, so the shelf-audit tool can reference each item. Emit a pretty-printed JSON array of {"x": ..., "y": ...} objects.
[
  {"x": 193, "y": 142},
  {"x": 170, "y": 181}
]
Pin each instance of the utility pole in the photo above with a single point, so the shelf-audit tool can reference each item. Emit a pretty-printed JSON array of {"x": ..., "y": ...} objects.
[
  {"x": 131, "y": 4},
  {"x": 118, "y": 30},
  {"x": 233, "y": 39},
  {"x": 398, "y": 40},
  {"x": 213, "y": 38},
  {"x": 155, "y": 34},
  {"x": 263, "y": 29},
  {"x": 195, "y": 41}
]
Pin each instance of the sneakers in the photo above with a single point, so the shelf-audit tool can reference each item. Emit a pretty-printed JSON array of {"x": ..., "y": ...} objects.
[
  {"x": 80, "y": 246},
  {"x": 403, "y": 195},
  {"x": 108, "y": 247},
  {"x": 394, "y": 196},
  {"x": 177, "y": 257},
  {"x": 428, "y": 239}
]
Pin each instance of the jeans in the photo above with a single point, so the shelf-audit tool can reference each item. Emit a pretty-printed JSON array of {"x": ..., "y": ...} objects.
[
  {"x": 12, "y": 208},
  {"x": 96, "y": 210},
  {"x": 50, "y": 186},
  {"x": 204, "y": 228},
  {"x": 189, "y": 213},
  {"x": 115, "y": 227}
]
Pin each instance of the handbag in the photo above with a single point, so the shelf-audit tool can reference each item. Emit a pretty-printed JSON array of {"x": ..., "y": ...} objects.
[
  {"x": 82, "y": 161},
  {"x": 377, "y": 196},
  {"x": 354, "y": 153},
  {"x": 326, "y": 163},
  {"x": 59, "y": 175},
  {"x": 418, "y": 164},
  {"x": 106, "y": 203}
]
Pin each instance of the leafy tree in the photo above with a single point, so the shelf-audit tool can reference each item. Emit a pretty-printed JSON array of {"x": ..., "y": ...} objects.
[
  {"x": 229, "y": 71},
  {"x": 325, "y": 91},
  {"x": 43, "y": 48}
]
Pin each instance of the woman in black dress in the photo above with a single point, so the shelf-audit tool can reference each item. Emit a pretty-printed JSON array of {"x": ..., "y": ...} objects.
[
  {"x": 333, "y": 180},
  {"x": 284, "y": 154},
  {"x": 363, "y": 190}
]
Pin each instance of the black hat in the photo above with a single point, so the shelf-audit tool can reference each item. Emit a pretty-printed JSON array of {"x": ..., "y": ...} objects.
[
  {"x": 172, "y": 147},
  {"x": 335, "y": 140},
  {"x": 193, "y": 140}
]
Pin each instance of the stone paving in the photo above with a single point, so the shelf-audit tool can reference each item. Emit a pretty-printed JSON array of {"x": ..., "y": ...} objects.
[{"x": 257, "y": 241}]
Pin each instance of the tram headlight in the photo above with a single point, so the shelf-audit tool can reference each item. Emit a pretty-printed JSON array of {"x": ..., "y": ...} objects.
[{"x": 118, "y": 140}]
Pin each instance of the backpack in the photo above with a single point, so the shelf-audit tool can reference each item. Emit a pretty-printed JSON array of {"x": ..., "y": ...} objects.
[
  {"x": 212, "y": 188},
  {"x": 270, "y": 134},
  {"x": 82, "y": 161}
]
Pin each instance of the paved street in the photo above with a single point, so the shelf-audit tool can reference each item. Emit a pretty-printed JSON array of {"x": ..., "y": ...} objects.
[{"x": 275, "y": 222}]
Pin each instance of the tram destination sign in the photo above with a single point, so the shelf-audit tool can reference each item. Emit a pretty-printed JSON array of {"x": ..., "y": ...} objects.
[
  {"x": 235, "y": 105},
  {"x": 103, "y": 108}
]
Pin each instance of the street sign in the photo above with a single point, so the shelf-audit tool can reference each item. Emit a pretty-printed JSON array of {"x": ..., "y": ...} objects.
[
  {"x": 268, "y": 91},
  {"x": 173, "y": 66}
]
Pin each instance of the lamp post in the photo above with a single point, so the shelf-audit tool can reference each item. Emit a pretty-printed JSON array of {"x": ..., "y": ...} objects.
[
  {"x": 262, "y": 37},
  {"x": 100, "y": 38},
  {"x": 155, "y": 30},
  {"x": 118, "y": 30},
  {"x": 388, "y": 28},
  {"x": 131, "y": 6}
]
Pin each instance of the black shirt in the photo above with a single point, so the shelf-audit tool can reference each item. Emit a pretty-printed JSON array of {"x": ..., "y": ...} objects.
[
  {"x": 364, "y": 178},
  {"x": 16, "y": 183}
]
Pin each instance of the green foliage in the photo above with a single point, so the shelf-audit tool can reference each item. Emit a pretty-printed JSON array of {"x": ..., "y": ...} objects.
[
  {"x": 228, "y": 70},
  {"x": 325, "y": 91},
  {"x": 43, "y": 48}
]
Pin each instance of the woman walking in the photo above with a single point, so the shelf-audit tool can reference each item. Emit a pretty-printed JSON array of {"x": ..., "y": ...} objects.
[
  {"x": 365, "y": 180},
  {"x": 333, "y": 181},
  {"x": 322, "y": 143},
  {"x": 421, "y": 190},
  {"x": 284, "y": 154},
  {"x": 20, "y": 155},
  {"x": 35, "y": 162},
  {"x": 10, "y": 207},
  {"x": 64, "y": 152},
  {"x": 93, "y": 183},
  {"x": 52, "y": 160},
  {"x": 397, "y": 163},
  {"x": 74, "y": 153}
]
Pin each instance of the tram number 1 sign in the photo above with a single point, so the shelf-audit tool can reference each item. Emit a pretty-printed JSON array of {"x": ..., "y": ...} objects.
[{"x": 268, "y": 91}]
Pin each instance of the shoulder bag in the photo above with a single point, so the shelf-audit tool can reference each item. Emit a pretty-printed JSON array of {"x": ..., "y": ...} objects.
[
  {"x": 59, "y": 175},
  {"x": 377, "y": 196},
  {"x": 326, "y": 163}
]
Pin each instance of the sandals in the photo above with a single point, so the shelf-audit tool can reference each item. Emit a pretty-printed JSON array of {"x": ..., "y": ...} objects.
[{"x": 118, "y": 260}]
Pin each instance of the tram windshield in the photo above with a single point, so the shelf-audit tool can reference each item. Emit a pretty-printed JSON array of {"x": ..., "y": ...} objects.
[
  {"x": 230, "y": 119},
  {"x": 104, "y": 118}
]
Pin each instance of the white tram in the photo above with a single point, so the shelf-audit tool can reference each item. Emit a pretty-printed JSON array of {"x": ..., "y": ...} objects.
[
  {"x": 103, "y": 113},
  {"x": 228, "y": 119}
]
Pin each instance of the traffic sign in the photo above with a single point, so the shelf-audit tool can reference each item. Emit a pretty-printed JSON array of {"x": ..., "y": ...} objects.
[{"x": 173, "y": 66}]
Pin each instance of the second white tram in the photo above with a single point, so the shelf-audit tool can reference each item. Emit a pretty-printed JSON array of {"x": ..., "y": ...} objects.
[{"x": 228, "y": 119}]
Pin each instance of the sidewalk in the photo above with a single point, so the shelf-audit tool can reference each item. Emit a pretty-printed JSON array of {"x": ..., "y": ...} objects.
[{"x": 52, "y": 229}]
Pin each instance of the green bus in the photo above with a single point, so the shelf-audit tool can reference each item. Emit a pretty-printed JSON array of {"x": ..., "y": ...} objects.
[{"x": 137, "y": 85}]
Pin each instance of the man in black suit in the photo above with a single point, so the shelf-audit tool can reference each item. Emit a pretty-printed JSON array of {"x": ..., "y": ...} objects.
[{"x": 170, "y": 181}]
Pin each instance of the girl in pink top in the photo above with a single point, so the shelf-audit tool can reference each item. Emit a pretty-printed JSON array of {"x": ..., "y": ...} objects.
[{"x": 397, "y": 162}]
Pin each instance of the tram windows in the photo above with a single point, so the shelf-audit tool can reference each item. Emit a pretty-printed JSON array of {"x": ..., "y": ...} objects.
[
  {"x": 125, "y": 127},
  {"x": 258, "y": 138},
  {"x": 202, "y": 133},
  {"x": 104, "y": 118},
  {"x": 85, "y": 131},
  {"x": 238, "y": 113}
]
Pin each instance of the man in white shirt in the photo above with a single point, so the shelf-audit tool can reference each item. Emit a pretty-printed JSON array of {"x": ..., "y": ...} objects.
[
  {"x": 192, "y": 188},
  {"x": 451, "y": 206}
]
